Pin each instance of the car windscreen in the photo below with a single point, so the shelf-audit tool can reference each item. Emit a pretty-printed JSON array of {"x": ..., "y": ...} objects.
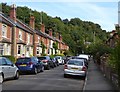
[
  {"x": 75, "y": 62},
  {"x": 23, "y": 60},
  {"x": 41, "y": 58},
  {"x": 1, "y": 61}
]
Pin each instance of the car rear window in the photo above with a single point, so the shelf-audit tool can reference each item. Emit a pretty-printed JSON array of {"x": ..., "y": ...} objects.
[
  {"x": 23, "y": 60},
  {"x": 75, "y": 62},
  {"x": 1, "y": 61}
]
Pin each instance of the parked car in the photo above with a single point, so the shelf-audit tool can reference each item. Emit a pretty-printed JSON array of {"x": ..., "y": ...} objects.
[
  {"x": 75, "y": 67},
  {"x": 56, "y": 63},
  {"x": 60, "y": 59},
  {"x": 29, "y": 64},
  {"x": 84, "y": 59},
  {"x": 47, "y": 62},
  {"x": 8, "y": 69},
  {"x": 84, "y": 56}
]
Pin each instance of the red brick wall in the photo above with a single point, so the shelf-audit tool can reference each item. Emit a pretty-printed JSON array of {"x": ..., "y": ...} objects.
[
  {"x": 45, "y": 41},
  {"x": 9, "y": 33},
  {"x": 36, "y": 38},
  {"x": 31, "y": 39},
  {"x": 17, "y": 33},
  {"x": 23, "y": 36}
]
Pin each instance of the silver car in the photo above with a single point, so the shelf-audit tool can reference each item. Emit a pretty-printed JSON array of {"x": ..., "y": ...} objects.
[
  {"x": 7, "y": 69},
  {"x": 75, "y": 67}
]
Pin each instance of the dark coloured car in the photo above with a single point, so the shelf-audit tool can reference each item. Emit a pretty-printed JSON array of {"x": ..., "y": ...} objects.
[
  {"x": 56, "y": 63},
  {"x": 29, "y": 64},
  {"x": 47, "y": 61}
]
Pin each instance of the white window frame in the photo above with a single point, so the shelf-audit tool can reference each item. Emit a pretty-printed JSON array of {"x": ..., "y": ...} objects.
[
  {"x": 19, "y": 50},
  {"x": 20, "y": 35},
  {"x": 4, "y": 29},
  {"x": 37, "y": 51},
  {"x": 8, "y": 48},
  {"x": 28, "y": 38}
]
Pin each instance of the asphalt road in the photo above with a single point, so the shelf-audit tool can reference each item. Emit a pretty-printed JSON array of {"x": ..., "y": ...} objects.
[{"x": 48, "y": 80}]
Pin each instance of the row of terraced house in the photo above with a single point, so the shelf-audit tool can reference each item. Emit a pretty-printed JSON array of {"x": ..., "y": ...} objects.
[{"x": 17, "y": 38}]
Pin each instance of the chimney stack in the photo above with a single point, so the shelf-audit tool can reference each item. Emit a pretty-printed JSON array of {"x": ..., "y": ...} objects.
[
  {"x": 50, "y": 32},
  {"x": 57, "y": 35},
  {"x": 60, "y": 37},
  {"x": 13, "y": 12},
  {"x": 43, "y": 28},
  {"x": 32, "y": 22}
]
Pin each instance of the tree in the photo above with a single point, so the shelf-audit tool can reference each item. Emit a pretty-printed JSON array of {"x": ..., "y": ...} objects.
[
  {"x": 114, "y": 61},
  {"x": 55, "y": 46},
  {"x": 43, "y": 48}
]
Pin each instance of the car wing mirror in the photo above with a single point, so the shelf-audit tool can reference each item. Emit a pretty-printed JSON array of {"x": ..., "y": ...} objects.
[{"x": 12, "y": 65}]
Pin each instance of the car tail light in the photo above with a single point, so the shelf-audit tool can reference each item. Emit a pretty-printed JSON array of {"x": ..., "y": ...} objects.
[
  {"x": 45, "y": 61},
  {"x": 30, "y": 63},
  {"x": 16, "y": 64},
  {"x": 65, "y": 66},
  {"x": 84, "y": 68}
]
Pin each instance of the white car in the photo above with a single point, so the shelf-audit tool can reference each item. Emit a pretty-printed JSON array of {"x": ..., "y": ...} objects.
[
  {"x": 7, "y": 69},
  {"x": 84, "y": 56},
  {"x": 59, "y": 59}
]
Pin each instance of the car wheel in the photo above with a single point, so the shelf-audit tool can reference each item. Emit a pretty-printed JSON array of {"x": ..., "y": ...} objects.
[
  {"x": 2, "y": 78},
  {"x": 53, "y": 65},
  {"x": 39, "y": 70},
  {"x": 16, "y": 75},
  {"x": 48, "y": 67},
  {"x": 65, "y": 75},
  {"x": 42, "y": 70},
  {"x": 35, "y": 70}
]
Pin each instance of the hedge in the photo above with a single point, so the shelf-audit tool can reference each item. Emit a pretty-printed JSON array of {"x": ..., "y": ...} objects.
[{"x": 12, "y": 58}]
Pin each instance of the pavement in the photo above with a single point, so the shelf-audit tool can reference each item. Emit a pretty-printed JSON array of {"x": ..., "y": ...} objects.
[{"x": 95, "y": 79}]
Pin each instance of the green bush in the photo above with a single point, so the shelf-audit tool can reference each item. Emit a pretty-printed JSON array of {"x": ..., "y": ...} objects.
[
  {"x": 12, "y": 58},
  {"x": 52, "y": 56}
]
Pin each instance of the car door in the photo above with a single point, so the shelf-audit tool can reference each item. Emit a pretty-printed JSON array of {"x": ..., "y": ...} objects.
[
  {"x": 5, "y": 68},
  {"x": 12, "y": 68},
  {"x": 37, "y": 63}
]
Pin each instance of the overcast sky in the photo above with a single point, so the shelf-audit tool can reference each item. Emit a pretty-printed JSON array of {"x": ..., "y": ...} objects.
[{"x": 103, "y": 12}]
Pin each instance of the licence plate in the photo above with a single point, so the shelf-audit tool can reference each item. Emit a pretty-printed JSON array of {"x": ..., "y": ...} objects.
[
  {"x": 74, "y": 68},
  {"x": 23, "y": 65}
]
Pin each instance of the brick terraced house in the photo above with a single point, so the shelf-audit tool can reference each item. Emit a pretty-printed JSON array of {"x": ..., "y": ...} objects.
[{"x": 18, "y": 39}]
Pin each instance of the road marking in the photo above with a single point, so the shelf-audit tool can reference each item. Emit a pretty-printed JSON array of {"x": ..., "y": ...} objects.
[{"x": 85, "y": 81}]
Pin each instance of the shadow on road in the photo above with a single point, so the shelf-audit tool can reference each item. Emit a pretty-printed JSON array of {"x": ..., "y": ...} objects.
[{"x": 75, "y": 77}]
